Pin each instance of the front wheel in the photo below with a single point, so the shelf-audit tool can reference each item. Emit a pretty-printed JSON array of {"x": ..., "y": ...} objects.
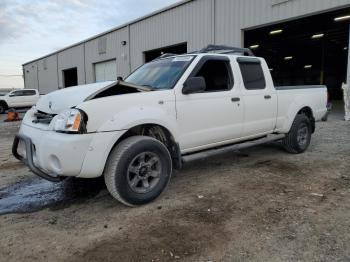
[
  {"x": 299, "y": 137},
  {"x": 2, "y": 108},
  {"x": 138, "y": 170}
]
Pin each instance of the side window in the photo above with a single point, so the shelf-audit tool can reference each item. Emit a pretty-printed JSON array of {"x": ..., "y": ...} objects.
[
  {"x": 217, "y": 75},
  {"x": 17, "y": 93},
  {"x": 252, "y": 73},
  {"x": 29, "y": 92}
]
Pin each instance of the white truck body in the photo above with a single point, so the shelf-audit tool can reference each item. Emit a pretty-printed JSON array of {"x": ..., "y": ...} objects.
[
  {"x": 18, "y": 99},
  {"x": 195, "y": 122}
]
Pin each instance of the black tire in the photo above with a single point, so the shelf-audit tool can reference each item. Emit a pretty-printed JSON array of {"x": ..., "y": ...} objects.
[
  {"x": 299, "y": 137},
  {"x": 120, "y": 181},
  {"x": 3, "y": 108}
]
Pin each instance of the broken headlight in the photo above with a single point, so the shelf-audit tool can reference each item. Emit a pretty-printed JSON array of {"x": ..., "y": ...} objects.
[{"x": 70, "y": 121}]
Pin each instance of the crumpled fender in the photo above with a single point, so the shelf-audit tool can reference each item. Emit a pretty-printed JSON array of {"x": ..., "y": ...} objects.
[
  {"x": 136, "y": 116},
  {"x": 123, "y": 112}
]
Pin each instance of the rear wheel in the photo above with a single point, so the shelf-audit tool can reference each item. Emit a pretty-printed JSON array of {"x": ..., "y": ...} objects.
[
  {"x": 138, "y": 170},
  {"x": 299, "y": 137}
]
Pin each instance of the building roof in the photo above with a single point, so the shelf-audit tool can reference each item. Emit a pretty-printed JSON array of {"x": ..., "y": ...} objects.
[{"x": 182, "y": 2}]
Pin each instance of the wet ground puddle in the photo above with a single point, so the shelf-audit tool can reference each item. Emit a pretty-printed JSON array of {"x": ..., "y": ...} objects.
[{"x": 36, "y": 194}]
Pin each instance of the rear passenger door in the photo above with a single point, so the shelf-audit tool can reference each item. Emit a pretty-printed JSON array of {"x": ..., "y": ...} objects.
[
  {"x": 212, "y": 116},
  {"x": 259, "y": 97},
  {"x": 30, "y": 97}
]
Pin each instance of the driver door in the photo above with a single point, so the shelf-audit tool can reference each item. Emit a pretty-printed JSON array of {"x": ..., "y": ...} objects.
[
  {"x": 16, "y": 98},
  {"x": 215, "y": 115}
]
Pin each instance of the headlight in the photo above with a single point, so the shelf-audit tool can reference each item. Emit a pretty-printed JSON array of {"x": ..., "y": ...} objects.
[{"x": 70, "y": 121}]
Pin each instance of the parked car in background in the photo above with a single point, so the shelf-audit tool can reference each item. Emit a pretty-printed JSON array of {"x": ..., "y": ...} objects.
[
  {"x": 170, "y": 111},
  {"x": 19, "y": 99}
]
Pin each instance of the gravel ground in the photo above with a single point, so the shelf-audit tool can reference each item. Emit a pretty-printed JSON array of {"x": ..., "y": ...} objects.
[{"x": 260, "y": 204}]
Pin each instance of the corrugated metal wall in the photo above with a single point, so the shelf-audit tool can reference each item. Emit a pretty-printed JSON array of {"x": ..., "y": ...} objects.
[
  {"x": 197, "y": 23},
  {"x": 114, "y": 50},
  {"x": 47, "y": 74},
  {"x": 31, "y": 75},
  {"x": 234, "y": 16},
  {"x": 190, "y": 23},
  {"x": 70, "y": 58}
]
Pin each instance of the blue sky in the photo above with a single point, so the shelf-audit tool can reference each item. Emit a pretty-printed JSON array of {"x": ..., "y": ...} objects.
[{"x": 33, "y": 28}]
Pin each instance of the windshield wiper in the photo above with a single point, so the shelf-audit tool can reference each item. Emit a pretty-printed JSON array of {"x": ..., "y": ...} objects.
[
  {"x": 138, "y": 87},
  {"x": 151, "y": 87},
  {"x": 156, "y": 89}
]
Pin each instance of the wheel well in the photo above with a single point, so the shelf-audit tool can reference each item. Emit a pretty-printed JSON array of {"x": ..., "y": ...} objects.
[
  {"x": 160, "y": 133},
  {"x": 2, "y": 102},
  {"x": 307, "y": 111}
]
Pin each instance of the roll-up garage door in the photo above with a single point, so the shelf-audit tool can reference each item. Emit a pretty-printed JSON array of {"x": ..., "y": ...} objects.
[{"x": 105, "y": 71}]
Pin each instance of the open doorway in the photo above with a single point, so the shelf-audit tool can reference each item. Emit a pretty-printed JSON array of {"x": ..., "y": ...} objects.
[
  {"x": 175, "y": 49},
  {"x": 307, "y": 51},
  {"x": 70, "y": 77}
]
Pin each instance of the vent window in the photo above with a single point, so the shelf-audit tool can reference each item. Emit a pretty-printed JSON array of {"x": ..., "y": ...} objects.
[
  {"x": 44, "y": 64},
  {"x": 102, "y": 45}
]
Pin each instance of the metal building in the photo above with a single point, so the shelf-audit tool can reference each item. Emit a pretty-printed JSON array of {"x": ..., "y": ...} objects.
[{"x": 304, "y": 41}]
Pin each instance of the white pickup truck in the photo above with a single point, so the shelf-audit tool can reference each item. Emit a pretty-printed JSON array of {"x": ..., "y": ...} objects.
[
  {"x": 169, "y": 111},
  {"x": 18, "y": 99}
]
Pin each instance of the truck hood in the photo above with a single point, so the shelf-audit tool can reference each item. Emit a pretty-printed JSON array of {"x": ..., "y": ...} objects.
[{"x": 58, "y": 101}]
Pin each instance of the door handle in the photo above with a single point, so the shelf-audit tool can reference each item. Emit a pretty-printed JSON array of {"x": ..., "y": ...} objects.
[
  {"x": 267, "y": 97},
  {"x": 235, "y": 99}
]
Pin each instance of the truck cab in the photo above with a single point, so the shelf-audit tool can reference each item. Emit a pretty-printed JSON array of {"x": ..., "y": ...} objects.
[{"x": 232, "y": 105}]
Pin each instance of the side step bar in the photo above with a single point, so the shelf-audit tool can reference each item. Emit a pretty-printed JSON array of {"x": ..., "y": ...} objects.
[{"x": 234, "y": 147}]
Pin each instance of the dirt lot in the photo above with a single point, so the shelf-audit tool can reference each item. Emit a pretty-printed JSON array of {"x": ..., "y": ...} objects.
[{"x": 260, "y": 204}]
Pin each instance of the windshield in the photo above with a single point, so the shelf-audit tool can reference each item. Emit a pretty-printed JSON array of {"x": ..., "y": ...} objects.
[{"x": 162, "y": 73}]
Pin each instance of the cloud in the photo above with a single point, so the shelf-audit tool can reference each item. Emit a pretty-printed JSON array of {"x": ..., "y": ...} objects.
[
  {"x": 10, "y": 27},
  {"x": 33, "y": 28},
  {"x": 19, "y": 18}
]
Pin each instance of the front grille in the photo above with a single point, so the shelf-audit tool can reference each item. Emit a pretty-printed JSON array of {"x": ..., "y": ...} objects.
[{"x": 43, "y": 118}]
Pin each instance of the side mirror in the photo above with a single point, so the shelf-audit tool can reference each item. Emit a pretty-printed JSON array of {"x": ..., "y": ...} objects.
[
  {"x": 194, "y": 85},
  {"x": 11, "y": 95},
  {"x": 119, "y": 78}
]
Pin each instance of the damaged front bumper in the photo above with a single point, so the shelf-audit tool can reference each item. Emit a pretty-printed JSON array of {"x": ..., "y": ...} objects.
[
  {"x": 54, "y": 156},
  {"x": 29, "y": 158}
]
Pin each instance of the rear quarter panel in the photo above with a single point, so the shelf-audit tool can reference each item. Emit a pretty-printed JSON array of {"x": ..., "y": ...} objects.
[
  {"x": 291, "y": 101},
  {"x": 34, "y": 99}
]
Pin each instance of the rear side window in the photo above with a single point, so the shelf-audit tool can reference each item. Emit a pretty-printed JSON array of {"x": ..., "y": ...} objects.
[
  {"x": 17, "y": 93},
  {"x": 217, "y": 75},
  {"x": 29, "y": 92},
  {"x": 252, "y": 73}
]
